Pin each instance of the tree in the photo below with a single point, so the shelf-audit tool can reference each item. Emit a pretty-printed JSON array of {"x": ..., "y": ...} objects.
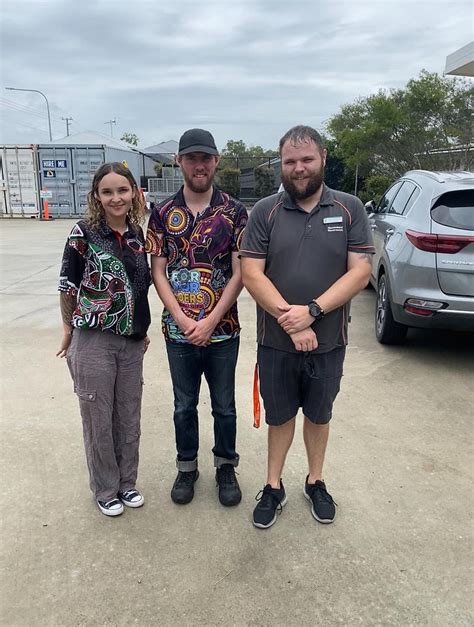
[
  {"x": 229, "y": 181},
  {"x": 376, "y": 185},
  {"x": 335, "y": 169},
  {"x": 392, "y": 132},
  {"x": 264, "y": 181},
  {"x": 237, "y": 154},
  {"x": 130, "y": 138}
]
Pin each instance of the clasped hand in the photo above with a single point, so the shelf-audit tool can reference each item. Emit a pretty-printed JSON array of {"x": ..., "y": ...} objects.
[
  {"x": 296, "y": 321},
  {"x": 294, "y": 318},
  {"x": 198, "y": 332}
]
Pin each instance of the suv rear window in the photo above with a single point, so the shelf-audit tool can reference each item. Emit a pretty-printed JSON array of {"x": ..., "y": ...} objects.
[{"x": 455, "y": 209}]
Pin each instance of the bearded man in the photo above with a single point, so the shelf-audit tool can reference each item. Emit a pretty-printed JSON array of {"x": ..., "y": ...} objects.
[
  {"x": 194, "y": 239},
  {"x": 305, "y": 253}
]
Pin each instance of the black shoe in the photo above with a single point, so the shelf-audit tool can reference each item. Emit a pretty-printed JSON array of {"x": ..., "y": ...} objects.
[
  {"x": 131, "y": 498},
  {"x": 271, "y": 503},
  {"x": 229, "y": 490},
  {"x": 323, "y": 506},
  {"x": 182, "y": 491},
  {"x": 110, "y": 508}
]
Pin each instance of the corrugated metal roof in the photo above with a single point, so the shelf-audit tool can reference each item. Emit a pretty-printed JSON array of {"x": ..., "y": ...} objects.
[
  {"x": 170, "y": 146},
  {"x": 90, "y": 138}
]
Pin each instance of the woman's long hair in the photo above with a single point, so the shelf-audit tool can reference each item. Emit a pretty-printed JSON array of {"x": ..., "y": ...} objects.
[{"x": 95, "y": 212}]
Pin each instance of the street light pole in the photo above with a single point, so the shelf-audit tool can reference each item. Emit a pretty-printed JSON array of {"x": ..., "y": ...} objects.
[
  {"x": 37, "y": 91},
  {"x": 114, "y": 121}
]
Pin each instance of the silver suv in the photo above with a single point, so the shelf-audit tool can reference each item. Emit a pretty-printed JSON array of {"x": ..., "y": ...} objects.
[{"x": 423, "y": 268}]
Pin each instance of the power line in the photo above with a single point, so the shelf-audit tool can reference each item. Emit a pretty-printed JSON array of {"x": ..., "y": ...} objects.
[
  {"x": 32, "y": 128},
  {"x": 20, "y": 108},
  {"x": 25, "y": 109}
]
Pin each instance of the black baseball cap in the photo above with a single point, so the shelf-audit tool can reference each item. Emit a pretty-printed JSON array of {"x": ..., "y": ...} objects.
[{"x": 197, "y": 140}]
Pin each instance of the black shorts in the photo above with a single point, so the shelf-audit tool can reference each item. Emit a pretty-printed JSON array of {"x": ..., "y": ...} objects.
[{"x": 289, "y": 381}]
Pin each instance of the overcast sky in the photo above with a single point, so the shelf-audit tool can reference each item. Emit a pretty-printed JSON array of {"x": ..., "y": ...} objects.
[{"x": 244, "y": 69}]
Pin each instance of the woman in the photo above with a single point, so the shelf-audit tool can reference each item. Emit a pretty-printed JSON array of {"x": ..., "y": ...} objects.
[{"x": 104, "y": 307}]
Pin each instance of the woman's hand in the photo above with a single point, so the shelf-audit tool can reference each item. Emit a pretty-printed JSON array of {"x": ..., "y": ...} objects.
[
  {"x": 146, "y": 343},
  {"x": 62, "y": 352}
]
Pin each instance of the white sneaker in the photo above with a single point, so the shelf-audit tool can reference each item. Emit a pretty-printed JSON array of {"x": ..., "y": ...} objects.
[
  {"x": 131, "y": 498},
  {"x": 110, "y": 508}
]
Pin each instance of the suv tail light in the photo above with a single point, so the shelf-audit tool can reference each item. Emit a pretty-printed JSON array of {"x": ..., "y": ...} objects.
[
  {"x": 422, "y": 307},
  {"x": 448, "y": 244}
]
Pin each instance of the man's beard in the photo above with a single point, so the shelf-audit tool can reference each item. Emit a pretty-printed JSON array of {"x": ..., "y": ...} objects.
[
  {"x": 313, "y": 184},
  {"x": 199, "y": 186}
]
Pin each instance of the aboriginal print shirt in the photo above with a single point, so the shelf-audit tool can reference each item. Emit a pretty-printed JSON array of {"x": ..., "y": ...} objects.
[
  {"x": 199, "y": 252},
  {"x": 109, "y": 273}
]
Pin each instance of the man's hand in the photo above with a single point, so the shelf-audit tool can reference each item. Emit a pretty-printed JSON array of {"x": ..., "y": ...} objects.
[
  {"x": 186, "y": 324},
  {"x": 305, "y": 340},
  {"x": 295, "y": 318},
  {"x": 202, "y": 331}
]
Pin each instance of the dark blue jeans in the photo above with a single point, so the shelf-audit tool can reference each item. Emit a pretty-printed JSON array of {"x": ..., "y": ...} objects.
[{"x": 187, "y": 365}]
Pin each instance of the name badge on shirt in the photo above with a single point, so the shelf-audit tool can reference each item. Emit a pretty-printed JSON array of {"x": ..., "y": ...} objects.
[{"x": 333, "y": 220}]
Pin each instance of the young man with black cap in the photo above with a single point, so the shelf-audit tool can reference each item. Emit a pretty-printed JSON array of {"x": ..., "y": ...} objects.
[
  {"x": 306, "y": 252},
  {"x": 194, "y": 238}
]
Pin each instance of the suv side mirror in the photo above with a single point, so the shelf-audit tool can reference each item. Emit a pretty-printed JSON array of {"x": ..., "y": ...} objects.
[{"x": 370, "y": 206}]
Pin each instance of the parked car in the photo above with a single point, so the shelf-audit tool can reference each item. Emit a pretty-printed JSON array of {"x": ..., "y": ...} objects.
[{"x": 423, "y": 269}]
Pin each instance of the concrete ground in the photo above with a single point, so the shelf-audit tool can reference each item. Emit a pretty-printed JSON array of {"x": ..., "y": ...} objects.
[{"x": 399, "y": 465}]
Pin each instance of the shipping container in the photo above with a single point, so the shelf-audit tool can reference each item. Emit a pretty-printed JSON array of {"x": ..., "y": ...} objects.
[
  {"x": 19, "y": 185},
  {"x": 61, "y": 172},
  {"x": 67, "y": 172}
]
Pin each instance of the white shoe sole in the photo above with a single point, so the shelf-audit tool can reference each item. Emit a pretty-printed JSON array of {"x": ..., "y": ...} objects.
[
  {"x": 324, "y": 521},
  {"x": 273, "y": 520},
  {"x": 133, "y": 503},
  {"x": 111, "y": 512}
]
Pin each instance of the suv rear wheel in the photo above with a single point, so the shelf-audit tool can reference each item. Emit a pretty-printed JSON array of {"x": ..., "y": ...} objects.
[{"x": 387, "y": 331}]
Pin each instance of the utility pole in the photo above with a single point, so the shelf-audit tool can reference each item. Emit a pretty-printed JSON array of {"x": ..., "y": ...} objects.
[
  {"x": 114, "y": 121},
  {"x": 67, "y": 120}
]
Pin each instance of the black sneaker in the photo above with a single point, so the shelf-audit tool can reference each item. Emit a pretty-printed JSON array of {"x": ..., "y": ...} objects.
[
  {"x": 323, "y": 506},
  {"x": 182, "y": 491},
  {"x": 131, "y": 498},
  {"x": 229, "y": 490},
  {"x": 110, "y": 508},
  {"x": 271, "y": 502}
]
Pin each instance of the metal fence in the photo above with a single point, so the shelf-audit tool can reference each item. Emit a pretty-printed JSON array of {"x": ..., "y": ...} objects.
[
  {"x": 171, "y": 179},
  {"x": 166, "y": 186}
]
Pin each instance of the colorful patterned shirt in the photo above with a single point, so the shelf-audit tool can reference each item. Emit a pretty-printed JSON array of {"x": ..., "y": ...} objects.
[
  {"x": 109, "y": 273},
  {"x": 199, "y": 252}
]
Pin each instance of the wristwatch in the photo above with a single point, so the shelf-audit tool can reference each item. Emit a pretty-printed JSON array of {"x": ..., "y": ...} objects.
[{"x": 315, "y": 310}]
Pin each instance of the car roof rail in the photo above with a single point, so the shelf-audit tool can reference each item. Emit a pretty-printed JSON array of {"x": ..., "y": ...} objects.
[{"x": 441, "y": 177}]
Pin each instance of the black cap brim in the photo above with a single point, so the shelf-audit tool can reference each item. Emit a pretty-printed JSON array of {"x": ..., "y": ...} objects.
[{"x": 207, "y": 149}]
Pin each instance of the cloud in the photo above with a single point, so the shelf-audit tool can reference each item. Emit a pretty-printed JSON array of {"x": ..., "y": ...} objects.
[{"x": 247, "y": 69}]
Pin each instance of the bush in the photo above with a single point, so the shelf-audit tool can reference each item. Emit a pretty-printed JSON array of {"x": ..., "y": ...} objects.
[
  {"x": 229, "y": 181},
  {"x": 264, "y": 181},
  {"x": 375, "y": 186}
]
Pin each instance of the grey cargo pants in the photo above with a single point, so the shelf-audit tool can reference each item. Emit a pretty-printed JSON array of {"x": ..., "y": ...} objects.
[{"x": 107, "y": 373}]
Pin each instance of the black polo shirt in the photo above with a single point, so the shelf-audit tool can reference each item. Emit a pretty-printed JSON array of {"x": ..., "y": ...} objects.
[
  {"x": 305, "y": 254},
  {"x": 109, "y": 274}
]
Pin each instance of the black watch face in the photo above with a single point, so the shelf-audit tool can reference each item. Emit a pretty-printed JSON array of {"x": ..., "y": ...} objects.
[{"x": 314, "y": 310}]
